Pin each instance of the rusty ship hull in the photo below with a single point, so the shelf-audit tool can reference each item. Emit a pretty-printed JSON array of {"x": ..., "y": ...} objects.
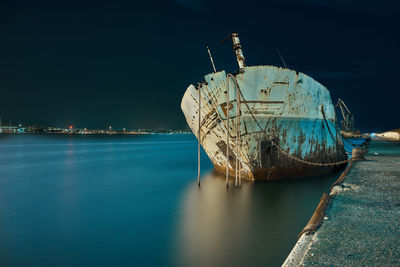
[{"x": 277, "y": 123}]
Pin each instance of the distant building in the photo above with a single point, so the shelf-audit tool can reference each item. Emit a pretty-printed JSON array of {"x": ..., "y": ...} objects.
[
  {"x": 21, "y": 129},
  {"x": 53, "y": 129},
  {"x": 12, "y": 129}
]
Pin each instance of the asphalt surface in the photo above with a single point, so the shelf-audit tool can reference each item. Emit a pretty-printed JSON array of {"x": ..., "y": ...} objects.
[{"x": 362, "y": 223}]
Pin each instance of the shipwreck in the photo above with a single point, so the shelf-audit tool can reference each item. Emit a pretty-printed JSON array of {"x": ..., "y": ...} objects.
[{"x": 264, "y": 122}]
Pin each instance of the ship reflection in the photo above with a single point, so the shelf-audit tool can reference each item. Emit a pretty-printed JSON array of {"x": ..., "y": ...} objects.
[{"x": 252, "y": 225}]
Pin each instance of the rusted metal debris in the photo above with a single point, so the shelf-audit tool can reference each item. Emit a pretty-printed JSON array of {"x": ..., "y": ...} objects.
[{"x": 276, "y": 115}]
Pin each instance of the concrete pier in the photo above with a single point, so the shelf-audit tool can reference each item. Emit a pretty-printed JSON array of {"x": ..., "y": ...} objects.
[{"x": 361, "y": 226}]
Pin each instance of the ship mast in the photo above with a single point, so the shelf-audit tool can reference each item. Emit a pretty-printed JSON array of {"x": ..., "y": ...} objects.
[{"x": 237, "y": 49}]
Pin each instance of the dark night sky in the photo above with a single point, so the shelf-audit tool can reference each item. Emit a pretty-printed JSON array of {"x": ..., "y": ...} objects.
[{"x": 127, "y": 64}]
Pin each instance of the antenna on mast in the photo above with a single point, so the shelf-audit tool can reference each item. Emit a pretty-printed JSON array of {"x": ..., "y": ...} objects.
[
  {"x": 279, "y": 53},
  {"x": 212, "y": 61}
]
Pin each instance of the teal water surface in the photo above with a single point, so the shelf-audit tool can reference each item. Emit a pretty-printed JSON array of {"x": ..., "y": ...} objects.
[{"x": 134, "y": 200}]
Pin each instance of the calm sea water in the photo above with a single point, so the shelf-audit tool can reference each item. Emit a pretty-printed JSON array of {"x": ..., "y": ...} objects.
[{"x": 134, "y": 200}]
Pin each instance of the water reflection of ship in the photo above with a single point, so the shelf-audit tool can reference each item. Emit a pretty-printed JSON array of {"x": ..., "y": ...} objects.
[
  {"x": 264, "y": 122},
  {"x": 210, "y": 216},
  {"x": 248, "y": 227}
]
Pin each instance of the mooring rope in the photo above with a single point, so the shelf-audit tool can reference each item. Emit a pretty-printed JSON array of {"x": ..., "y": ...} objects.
[
  {"x": 346, "y": 140},
  {"x": 338, "y": 146},
  {"x": 283, "y": 151}
]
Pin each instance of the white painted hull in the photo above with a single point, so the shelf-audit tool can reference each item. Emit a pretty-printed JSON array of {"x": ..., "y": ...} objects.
[{"x": 287, "y": 106}]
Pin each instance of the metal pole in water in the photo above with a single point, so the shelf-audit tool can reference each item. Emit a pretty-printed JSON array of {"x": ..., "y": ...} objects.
[
  {"x": 227, "y": 133},
  {"x": 240, "y": 141},
  {"x": 198, "y": 137},
  {"x": 237, "y": 136},
  {"x": 236, "y": 163}
]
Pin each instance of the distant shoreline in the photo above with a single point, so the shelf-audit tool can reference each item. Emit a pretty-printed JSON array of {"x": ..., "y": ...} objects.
[{"x": 99, "y": 133}]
